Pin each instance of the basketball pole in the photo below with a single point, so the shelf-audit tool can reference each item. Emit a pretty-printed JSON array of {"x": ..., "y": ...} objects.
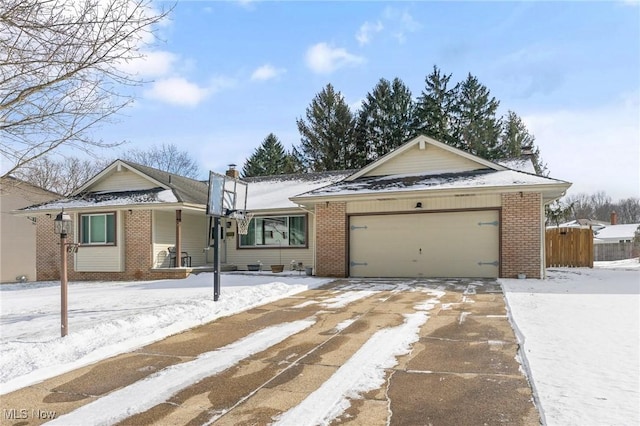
[{"x": 216, "y": 258}]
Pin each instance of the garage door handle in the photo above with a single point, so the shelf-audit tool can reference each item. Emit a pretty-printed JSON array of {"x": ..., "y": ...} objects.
[
  {"x": 494, "y": 223},
  {"x": 488, "y": 263}
]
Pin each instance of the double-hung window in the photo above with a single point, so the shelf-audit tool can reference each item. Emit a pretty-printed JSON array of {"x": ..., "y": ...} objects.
[
  {"x": 276, "y": 231},
  {"x": 98, "y": 229}
]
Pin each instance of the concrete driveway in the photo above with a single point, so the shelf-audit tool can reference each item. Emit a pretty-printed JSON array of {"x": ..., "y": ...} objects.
[{"x": 460, "y": 368}]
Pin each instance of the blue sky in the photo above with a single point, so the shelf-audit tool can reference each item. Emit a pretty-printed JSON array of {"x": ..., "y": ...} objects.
[{"x": 223, "y": 74}]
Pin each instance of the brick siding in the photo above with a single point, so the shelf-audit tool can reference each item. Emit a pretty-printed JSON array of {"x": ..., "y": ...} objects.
[
  {"x": 521, "y": 235},
  {"x": 48, "y": 250},
  {"x": 137, "y": 244},
  {"x": 331, "y": 239}
]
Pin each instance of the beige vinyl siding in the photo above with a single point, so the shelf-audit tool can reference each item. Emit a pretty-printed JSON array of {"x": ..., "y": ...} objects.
[
  {"x": 431, "y": 159},
  {"x": 164, "y": 236},
  {"x": 123, "y": 180},
  {"x": 18, "y": 242},
  {"x": 194, "y": 237},
  {"x": 271, "y": 256},
  {"x": 101, "y": 258},
  {"x": 428, "y": 203}
]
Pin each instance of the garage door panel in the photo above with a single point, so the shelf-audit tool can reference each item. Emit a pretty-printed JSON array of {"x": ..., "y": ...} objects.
[{"x": 459, "y": 244}]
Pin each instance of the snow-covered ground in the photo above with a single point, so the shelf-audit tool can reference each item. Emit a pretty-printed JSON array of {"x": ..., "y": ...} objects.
[
  {"x": 580, "y": 328},
  {"x": 581, "y": 331}
]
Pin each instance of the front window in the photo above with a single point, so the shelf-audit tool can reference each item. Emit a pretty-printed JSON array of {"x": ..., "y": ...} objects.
[
  {"x": 99, "y": 229},
  {"x": 276, "y": 231}
]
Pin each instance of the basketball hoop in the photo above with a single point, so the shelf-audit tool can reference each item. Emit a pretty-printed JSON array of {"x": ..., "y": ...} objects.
[{"x": 243, "y": 219}]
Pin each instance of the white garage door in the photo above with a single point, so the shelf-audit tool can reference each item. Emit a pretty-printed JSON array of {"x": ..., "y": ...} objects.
[{"x": 452, "y": 244}]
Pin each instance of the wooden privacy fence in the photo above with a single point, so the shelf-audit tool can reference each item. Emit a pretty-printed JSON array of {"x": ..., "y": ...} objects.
[{"x": 572, "y": 247}]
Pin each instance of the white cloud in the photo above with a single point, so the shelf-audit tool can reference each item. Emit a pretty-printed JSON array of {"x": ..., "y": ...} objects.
[
  {"x": 266, "y": 72},
  {"x": 366, "y": 31},
  {"x": 178, "y": 91},
  {"x": 152, "y": 64},
  {"x": 595, "y": 149},
  {"x": 324, "y": 59},
  {"x": 401, "y": 23}
]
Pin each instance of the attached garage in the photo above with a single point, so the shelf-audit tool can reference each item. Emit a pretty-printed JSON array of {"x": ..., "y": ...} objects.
[
  {"x": 431, "y": 244},
  {"x": 429, "y": 210}
]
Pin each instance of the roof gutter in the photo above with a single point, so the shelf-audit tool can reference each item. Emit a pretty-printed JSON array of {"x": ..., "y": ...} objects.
[
  {"x": 551, "y": 192},
  {"x": 149, "y": 206}
]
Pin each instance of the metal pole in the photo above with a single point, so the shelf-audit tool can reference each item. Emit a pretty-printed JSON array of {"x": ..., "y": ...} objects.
[
  {"x": 216, "y": 258},
  {"x": 63, "y": 284}
]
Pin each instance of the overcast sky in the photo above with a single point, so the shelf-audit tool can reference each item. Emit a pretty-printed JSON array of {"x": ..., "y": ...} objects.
[{"x": 226, "y": 74}]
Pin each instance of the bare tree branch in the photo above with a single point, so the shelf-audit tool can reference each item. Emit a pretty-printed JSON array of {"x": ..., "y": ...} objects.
[{"x": 61, "y": 71}]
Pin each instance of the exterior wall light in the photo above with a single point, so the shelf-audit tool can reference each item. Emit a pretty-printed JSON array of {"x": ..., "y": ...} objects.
[{"x": 62, "y": 224}]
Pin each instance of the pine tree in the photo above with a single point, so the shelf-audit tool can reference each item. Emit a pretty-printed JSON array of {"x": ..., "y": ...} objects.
[
  {"x": 327, "y": 134},
  {"x": 270, "y": 158},
  {"x": 385, "y": 120},
  {"x": 515, "y": 140},
  {"x": 435, "y": 108},
  {"x": 477, "y": 129}
]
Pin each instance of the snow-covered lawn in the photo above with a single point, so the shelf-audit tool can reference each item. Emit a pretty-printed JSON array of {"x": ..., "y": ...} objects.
[
  {"x": 580, "y": 327},
  {"x": 108, "y": 318},
  {"x": 581, "y": 331}
]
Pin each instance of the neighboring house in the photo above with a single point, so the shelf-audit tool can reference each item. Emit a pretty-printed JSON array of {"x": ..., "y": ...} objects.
[
  {"x": 18, "y": 233},
  {"x": 582, "y": 223},
  {"x": 615, "y": 242},
  {"x": 424, "y": 210}
]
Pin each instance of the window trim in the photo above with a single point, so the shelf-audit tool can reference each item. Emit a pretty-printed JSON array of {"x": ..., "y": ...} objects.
[
  {"x": 115, "y": 229},
  {"x": 271, "y": 247}
]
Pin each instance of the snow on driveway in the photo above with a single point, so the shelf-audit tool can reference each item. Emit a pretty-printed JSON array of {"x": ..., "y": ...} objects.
[
  {"x": 159, "y": 387},
  {"x": 363, "y": 372},
  {"x": 109, "y": 318},
  {"x": 581, "y": 330}
]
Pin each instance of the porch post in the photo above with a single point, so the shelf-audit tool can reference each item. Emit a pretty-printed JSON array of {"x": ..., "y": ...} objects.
[{"x": 178, "y": 238}]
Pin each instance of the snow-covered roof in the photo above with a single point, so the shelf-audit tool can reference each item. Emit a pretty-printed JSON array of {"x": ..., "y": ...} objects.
[
  {"x": 273, "y": 192},
  {"x": 521, "y": 164},
  {"x": 583, "y": 223},
  {"x": 419, "y": 182},
  {"x": 617, "y": 232},
  {"x": 109, "y": 199}
]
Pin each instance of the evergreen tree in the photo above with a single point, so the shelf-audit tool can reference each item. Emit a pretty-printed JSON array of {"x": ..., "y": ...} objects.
[
  {"x": 327, "y": 134},
  {"x": 515, "y": 140},
  {"x": 477, "y": 129},
  {"x": 270, "y": 158},
  {"x": 385, "y": 120},
  {"x": 435, "y": 108}
]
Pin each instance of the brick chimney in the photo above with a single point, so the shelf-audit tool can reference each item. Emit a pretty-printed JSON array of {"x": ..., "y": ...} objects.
[
  {"x": 614, "y": 218},
  {"x": 232, "y": 172}
]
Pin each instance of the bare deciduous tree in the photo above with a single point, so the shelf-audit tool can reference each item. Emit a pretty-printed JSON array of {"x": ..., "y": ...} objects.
[
  {"x": 61, "y": 71},
  {"x": 167, "y": 158},
  {"x": 61, "y": 177}
]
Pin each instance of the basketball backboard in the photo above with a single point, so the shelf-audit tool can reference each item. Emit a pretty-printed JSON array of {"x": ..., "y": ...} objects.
[{"x": 226, "y": 195}]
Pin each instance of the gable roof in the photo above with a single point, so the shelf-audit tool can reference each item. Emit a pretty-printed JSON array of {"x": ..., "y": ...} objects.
[
  {"x": 460, "y": 161},
  {"x": 424, "y": 164},
  {"x": 11, "y": 182},
  {"x": 152, "y": 186},
  {"x": 185, "y": 190}
]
